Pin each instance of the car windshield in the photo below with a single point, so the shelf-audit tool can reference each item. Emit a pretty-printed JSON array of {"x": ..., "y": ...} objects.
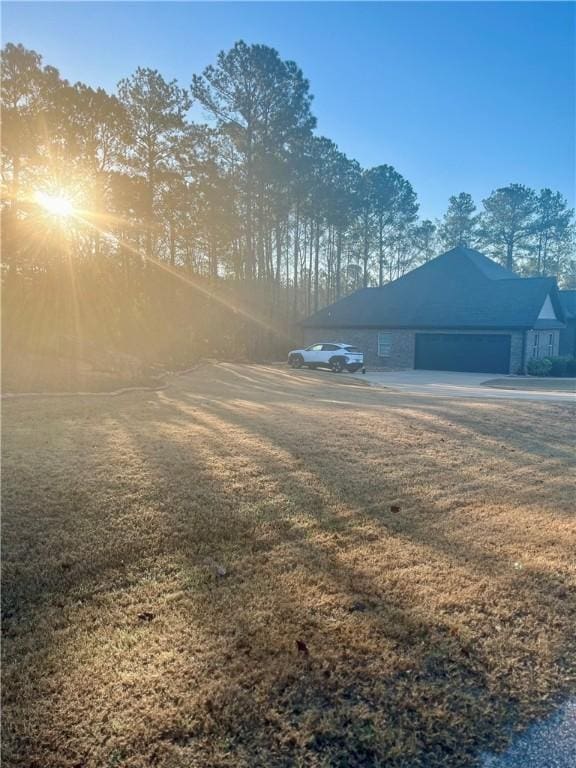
[{"x": 351, "y": 349}]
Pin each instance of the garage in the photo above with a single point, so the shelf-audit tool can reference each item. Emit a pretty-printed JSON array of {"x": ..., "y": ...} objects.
[{"x": 474, "y": 352}]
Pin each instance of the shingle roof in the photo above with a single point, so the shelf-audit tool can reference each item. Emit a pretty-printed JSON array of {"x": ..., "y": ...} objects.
[
  {"x": 459, "y": 289},
  {"x": 489, "y": 268},
  {"x": 568, "y": 301}
]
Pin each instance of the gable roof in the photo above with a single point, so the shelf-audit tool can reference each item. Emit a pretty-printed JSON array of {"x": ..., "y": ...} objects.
[
  {"x": 568, "y": 301},
  {"x": 461, "y": 288}
]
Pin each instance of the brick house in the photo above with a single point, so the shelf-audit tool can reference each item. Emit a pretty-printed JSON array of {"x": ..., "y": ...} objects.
[
  {"x": 458, "y": 312},
  {"x": 568, "y": 334}
]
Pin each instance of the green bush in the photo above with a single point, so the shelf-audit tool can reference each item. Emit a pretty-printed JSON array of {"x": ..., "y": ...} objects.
[
  {"x": 559, "y": 366},
  {"x": 552, "y": 366},
  {"x": 539, "y": 367}
]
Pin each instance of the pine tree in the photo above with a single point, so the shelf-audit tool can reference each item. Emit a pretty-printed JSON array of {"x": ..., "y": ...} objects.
[
  {"x": 507, "y": 222},
  {"x": 460, "y": 224},
  {"x": 157, "y": 113}
]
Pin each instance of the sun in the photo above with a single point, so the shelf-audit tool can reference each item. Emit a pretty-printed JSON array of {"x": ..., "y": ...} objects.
[{"x": 55, "y": 204}]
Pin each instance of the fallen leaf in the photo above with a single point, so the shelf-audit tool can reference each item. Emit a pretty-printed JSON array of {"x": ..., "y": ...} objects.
[{"x": 302, "y": 648}]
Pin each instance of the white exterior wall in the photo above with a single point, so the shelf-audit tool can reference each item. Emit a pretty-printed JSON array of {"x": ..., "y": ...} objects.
[
  {"x": 547, "y": 312},
  {"x": 541, "y": 344}
]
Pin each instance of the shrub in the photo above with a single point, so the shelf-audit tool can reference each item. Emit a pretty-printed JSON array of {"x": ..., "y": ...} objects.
[
  {"x": 559, "y": 366},
  {"x": 552, "y": 366},
  {"x": 539, "y": 367}
]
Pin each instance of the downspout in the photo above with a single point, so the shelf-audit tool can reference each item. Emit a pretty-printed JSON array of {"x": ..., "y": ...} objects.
[{"x": 523, "y": 366}]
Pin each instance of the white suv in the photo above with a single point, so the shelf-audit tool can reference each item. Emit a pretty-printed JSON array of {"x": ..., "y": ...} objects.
[{"x": 337, "y": 357}]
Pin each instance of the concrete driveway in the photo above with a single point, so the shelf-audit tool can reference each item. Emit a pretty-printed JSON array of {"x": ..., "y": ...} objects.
[
  {"x": 548, "y": 744},
  {"x": 450, "y": 384}
]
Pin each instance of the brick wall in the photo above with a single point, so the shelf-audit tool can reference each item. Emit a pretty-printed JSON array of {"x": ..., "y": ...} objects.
[
  {"x": 567, "y": 344},
  {"x": 517, "y": 364},
  {"x": 403, "y": 345},
  {"x": 402, "y": 352}
]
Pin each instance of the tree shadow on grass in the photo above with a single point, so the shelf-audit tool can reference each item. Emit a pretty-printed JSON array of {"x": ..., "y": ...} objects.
[
  {"x": 542, "y": 594},
  {"x": 422, "y": 643},
  {"x": 539, "y": 589}
]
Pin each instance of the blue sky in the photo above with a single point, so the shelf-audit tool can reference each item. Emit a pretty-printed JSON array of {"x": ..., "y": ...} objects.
[{"x": 458, "y": 96}]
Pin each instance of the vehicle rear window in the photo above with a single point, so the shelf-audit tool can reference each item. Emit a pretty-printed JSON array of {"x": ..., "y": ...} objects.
[{"x": 351, "y": 349}]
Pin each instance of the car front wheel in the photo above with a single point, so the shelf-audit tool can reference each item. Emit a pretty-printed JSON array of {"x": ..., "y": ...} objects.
[{"x": 296, "y": 361}]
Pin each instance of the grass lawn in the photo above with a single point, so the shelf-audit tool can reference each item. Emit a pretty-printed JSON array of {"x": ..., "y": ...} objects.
[
  {"x": 543, "y": 384},
  {"x": 259, "y": 567}
]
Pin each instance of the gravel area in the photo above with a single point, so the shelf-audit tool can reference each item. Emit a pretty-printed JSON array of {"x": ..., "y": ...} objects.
[{"x": 548, "y": 744}]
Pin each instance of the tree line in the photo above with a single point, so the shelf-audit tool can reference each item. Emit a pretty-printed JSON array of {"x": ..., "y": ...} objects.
[{"x": 181, "y": 229}]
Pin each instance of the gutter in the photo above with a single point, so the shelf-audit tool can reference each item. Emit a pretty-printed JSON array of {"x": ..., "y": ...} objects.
[{"x": 388, "y": 327}]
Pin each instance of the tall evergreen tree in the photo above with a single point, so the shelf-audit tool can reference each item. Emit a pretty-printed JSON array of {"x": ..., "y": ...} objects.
[
  {"x": 29, "y": 93},
  {"x": 460, "y": 224},
  {"x": 393, "y": 207},
  {"x": 425, "y": 237},
  {"x": 508, "y": 221},
  {"x": 551, "y": 225},
  {"x": 262, "y": 104},
  {"x": 157, "y": 113}
]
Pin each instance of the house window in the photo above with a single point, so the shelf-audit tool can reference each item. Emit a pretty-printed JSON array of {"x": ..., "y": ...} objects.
[
  {"x": 384, "y": 344},
  {"x": 542, "y": 345},
  {"x": 536, "y": 345}
]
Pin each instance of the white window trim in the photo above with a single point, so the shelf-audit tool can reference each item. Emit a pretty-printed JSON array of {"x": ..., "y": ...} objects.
[
  {"x": 385, "y": 345},
  {"x": 535, "y": 345},
  {"x": 543, "y": 343}
]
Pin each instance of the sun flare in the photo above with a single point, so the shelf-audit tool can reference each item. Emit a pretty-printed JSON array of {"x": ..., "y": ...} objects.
[{"x": 55, "y": 204}]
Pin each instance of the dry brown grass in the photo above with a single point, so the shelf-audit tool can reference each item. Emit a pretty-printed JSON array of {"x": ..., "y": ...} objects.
[
  {"x": 90, "y": 371},
  {"x": 249, "y": 508}
]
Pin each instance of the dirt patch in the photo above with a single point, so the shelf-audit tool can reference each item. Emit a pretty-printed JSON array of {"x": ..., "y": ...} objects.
[{"x": 260, "y": 567}]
